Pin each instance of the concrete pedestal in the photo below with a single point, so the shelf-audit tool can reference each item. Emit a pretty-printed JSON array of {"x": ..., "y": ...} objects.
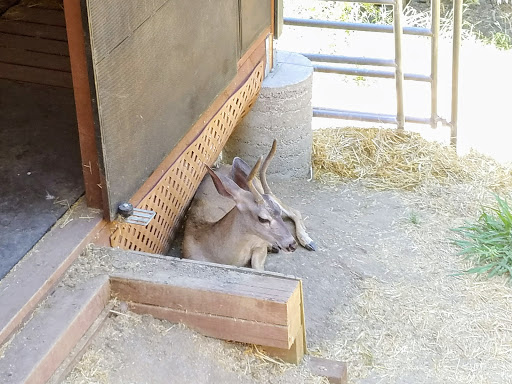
[{"x": 282, "y": 111}]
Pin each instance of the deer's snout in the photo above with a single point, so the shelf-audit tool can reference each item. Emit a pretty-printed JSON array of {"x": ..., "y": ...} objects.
[{"x": 291, "y": 247}]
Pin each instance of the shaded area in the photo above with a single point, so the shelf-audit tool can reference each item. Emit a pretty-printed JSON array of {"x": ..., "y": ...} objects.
[{"x": 40, "y": 173}]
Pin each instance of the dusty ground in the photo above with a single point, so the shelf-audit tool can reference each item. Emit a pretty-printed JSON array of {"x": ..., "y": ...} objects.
[
  {"x": 383, "y": 291},
  {"x": 380, "y": 294}
]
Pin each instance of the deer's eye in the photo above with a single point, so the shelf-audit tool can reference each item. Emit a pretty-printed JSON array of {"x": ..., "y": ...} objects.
[{"x": 263, "y": 220}]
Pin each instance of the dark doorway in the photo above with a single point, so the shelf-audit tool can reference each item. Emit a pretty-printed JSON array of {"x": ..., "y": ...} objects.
[{"x": 40, "y": 170}]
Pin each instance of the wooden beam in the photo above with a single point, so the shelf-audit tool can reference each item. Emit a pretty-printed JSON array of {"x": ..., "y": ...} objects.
[
  {"x": 256, "y": 298},
  {"x": 84, "y": 111},
  {"x": 39, "y": 349},
  {"x": 294, "y": 354},
  {"x": 225, "y": 328}
]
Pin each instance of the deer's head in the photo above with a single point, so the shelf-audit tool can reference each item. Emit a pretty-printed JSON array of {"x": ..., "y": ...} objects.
[{"x": 261, "y": 215}]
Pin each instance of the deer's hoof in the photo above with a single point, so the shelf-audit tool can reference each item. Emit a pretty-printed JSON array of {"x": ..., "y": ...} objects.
[
  {"x": 311, "y": 246},
  {"x": 273, "y": 248}
]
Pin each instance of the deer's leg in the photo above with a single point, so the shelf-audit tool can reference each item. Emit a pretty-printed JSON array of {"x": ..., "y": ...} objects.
[
  {"x": 300, "y": 228},
  {"x": 258, "y": 257}
]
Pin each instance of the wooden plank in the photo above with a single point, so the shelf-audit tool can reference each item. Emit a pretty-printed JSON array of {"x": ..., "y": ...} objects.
[
  {"x": 81, "y": 347},
  {"x": 225, "y": 328},
  {"x": 35, "y": 75},
  {"x": 241, "y": 299},
  {"x": 40, "y": 31},
  {"x": 83, "y": 103},
  {"x": 334, "y": 371},
  {"x": 294, "y": 354},
  {"x": 43, "y": 266},
  {"x": 34, "y": 59},
  {"x": 38, "y": 350},
  {"x": 30, "y": 44},
  {"x": 36, "y": 15}
]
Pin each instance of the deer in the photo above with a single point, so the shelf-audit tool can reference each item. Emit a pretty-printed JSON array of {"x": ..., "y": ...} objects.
[{"x": 235, "y": 218}]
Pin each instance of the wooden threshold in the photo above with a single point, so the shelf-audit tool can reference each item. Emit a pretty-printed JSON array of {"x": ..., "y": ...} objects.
[{"x": 29, "y": 282}]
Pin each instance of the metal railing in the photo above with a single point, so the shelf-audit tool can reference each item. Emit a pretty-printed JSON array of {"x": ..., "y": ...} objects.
[{"x": 398, "y": 74}]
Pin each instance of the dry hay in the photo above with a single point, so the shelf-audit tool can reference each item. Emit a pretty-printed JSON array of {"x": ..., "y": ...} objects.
[
  {"x": 246, "y": 361},
  {"x": 386, "y": 159}
]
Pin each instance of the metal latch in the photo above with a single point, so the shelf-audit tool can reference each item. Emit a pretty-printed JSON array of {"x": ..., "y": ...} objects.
[{"x": 135, "y": 215}]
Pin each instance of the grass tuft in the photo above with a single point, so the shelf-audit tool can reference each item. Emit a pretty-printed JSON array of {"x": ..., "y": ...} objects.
[{"x": 488, "y": 242}]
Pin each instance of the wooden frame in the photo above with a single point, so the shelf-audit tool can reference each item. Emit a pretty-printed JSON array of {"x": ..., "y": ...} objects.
[
  {"x": 84, "y": 108},
  {"x": 225, "y": 302}
]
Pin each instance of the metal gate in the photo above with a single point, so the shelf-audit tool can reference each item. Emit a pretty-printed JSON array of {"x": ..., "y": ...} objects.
[{"x": 397, "y": 73}]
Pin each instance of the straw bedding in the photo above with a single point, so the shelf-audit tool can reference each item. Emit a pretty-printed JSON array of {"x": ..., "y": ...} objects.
[{"x": 386, "y": 159}]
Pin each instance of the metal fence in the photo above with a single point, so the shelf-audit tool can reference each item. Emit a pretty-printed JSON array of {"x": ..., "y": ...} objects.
[{"x": 396, "y": 65}]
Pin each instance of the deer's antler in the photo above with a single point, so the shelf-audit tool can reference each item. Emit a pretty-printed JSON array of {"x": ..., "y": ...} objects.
[
  {"x": 263, "y": 170},
  {"x": 250, "y": 178}
]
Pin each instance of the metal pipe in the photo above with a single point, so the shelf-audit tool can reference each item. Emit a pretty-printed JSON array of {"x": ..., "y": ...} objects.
[
  {"x": 365, "y": 27},
  {"x": 434, "y": 45},
  {"x": 368, "y": 72},
  {"x": 399, "y": 78},
  {"x": 457, "y": 27},
  {"x": 366, "y": 116},
  {"x": 349, "y": 60}
]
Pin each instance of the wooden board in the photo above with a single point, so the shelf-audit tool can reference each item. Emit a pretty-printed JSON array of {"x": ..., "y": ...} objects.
[
  {"x": 36, "y": 15},
  {"x": 41, "y": 31},
  {"x": 37, "y": 45},
  {"x": 35, "y": 75},
  {"x": 225, "y": 328},
  {"x": 250, "y": 298},
  {"x": 34, "y": 59},
  {"x": 155, "y": 72}
]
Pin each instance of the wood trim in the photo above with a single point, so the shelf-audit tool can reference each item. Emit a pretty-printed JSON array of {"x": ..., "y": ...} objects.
[
  {"x": 84, "y": 111},
  {"x": 257, "y": 44},
  {"x": 258, "y": 53},
  {"x": 271, "y": 37}
]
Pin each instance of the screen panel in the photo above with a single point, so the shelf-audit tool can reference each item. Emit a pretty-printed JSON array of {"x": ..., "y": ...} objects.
[
  {"x": 255, "y": 16},
  {"x": 157, "y": 66}
]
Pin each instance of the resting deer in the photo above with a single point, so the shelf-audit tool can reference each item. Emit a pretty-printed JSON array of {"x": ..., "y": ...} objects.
[{"x": 235, "y": 217}]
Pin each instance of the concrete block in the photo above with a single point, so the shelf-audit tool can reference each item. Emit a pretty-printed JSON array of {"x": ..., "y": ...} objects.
[{"x": 282, "y": 111}]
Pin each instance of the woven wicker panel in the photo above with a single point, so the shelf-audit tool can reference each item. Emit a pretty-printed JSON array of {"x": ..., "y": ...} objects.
[{"x": 171, "y": 195}]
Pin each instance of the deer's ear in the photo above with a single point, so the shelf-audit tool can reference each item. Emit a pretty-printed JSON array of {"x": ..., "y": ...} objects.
[
  {"x": 239, "y": 172},
  {"x": 224, "y": 185}
]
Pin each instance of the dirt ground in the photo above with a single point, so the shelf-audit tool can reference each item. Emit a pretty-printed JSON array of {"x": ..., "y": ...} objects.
[
  {"x": 380, "y": 294},
  {"x": 383, "y": 292}
]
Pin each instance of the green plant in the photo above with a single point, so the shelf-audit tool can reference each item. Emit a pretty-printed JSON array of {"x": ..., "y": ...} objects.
[
  {"x": 488, "y": 242},
  {"x": 414, "y": 218}
]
